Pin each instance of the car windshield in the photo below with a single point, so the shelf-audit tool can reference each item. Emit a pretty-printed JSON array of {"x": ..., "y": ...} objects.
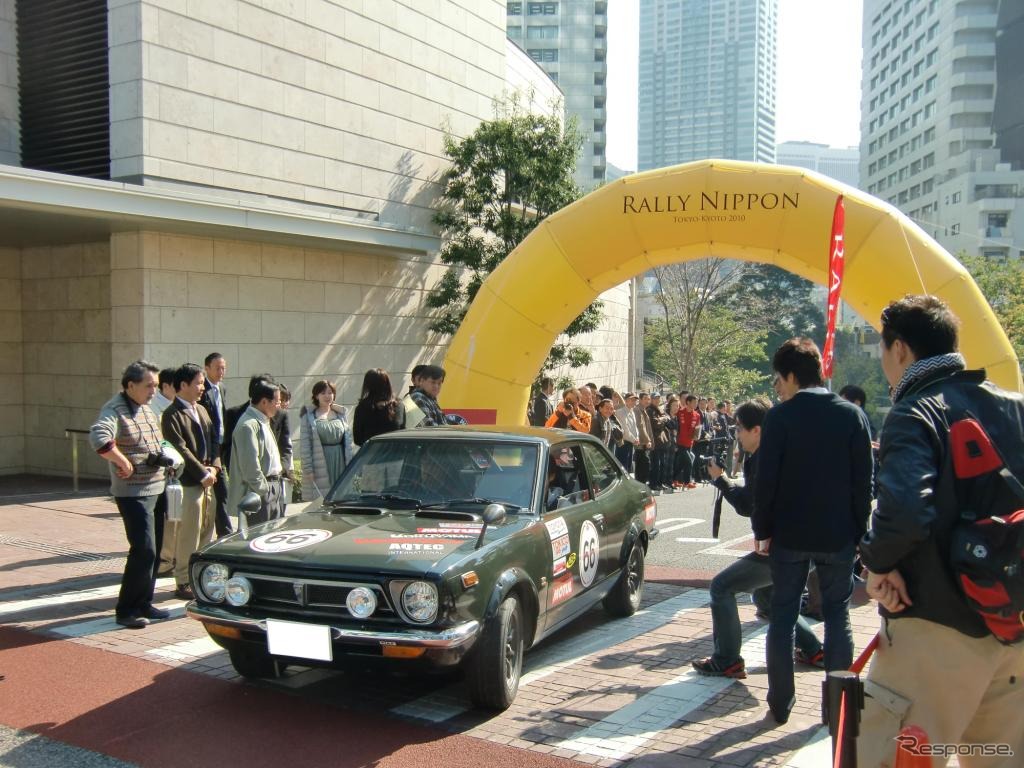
[{"x": 440, "y": 473}]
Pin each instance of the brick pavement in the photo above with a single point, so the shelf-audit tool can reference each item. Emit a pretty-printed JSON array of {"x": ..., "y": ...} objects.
[{"x": 606, "y": 693}]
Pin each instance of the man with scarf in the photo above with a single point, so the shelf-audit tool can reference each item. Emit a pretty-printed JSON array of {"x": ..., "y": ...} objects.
[{"x": 937, "y": 665}]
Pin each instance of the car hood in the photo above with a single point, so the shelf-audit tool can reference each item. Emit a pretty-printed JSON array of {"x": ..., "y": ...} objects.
[{"x": 393, "y": 542}]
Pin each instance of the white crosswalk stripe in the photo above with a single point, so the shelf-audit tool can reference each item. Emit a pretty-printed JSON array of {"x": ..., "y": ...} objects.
[
  {"x": 628, "y": 729},
  {"x": 12, "y": 607},
  {"x": 552, "y": 657},
  {"x": 198, "y": 648}
]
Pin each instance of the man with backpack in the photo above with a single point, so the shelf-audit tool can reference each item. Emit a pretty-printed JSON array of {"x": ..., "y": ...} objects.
[{"x": 951, "y": 656}]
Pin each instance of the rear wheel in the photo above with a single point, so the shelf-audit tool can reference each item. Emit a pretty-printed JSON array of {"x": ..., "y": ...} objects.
[
  {"x": 497, "y": 662},
  {"x": 254, "y": 663},
  {"x": 624, "y": 599}
]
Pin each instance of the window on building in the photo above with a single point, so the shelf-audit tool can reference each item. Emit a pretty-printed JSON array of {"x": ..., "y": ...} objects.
[
  {"x": 546, "y": 32},
  {"x": 543, "y": 54},
  {"x": 954, "y": 229},
  {"x": 543, "y": 9},
  {"x": 64, "y": 86},
  {"x": 514, "y": 9}
]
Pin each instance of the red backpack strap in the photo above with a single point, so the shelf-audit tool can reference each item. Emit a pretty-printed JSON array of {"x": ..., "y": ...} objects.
[{"x": 973, "y": 452}]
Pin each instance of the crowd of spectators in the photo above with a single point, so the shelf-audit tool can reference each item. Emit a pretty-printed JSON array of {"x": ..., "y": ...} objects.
[{"x": 664, "y": 440}]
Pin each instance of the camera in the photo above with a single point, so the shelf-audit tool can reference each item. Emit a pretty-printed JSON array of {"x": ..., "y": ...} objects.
[{"x": 158, "y": 460}]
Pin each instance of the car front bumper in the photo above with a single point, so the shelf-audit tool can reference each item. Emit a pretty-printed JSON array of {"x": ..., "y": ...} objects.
[{"x": 457, "y": 638}]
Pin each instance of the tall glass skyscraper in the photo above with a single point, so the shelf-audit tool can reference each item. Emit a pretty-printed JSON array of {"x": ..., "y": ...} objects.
[
  {"x": 940, "y": 117},
  {"x": 707, "y": 81},
  {"x": 569, "y": 39}
]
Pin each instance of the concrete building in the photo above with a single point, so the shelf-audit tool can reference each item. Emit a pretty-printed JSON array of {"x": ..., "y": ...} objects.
[
  {"x": 569, "y": 39},
  {"x": 707, "y": 81},
  {"x": 839, "y": 163},
  {"x": 255, "y": 178},
  {"x": 936, "y": 76}
]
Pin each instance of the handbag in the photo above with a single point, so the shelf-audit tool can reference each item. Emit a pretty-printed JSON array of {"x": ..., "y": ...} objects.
[{"x": 173, "y": 494}]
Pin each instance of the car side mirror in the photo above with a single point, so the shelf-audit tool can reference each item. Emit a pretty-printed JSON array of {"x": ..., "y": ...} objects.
[
  {"x": 494, "y": 514},
  {"x": 249, "y": 505}
]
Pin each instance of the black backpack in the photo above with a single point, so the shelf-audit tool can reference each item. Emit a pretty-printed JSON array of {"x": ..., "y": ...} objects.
[{"x": 987, "y": 547}]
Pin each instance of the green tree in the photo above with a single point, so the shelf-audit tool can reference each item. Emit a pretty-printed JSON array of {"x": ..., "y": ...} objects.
[
  {"x": 793, "y": 309},
  {"x": 855, "y": 365},
  {"x": 1002, "y": 284},
  {"x": 505, "y": 178},
  {"x": 700, "y": 337}
]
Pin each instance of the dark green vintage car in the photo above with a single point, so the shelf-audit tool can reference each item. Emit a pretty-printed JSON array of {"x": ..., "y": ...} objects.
[{"x": 455, "y": 545}]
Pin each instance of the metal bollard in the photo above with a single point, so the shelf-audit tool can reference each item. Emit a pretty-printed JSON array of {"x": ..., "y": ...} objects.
[{"x": 842, "y": 699}]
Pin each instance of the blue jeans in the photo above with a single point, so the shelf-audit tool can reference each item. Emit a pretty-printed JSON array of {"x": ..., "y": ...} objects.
[
  {"x": 752, "y": 574},
  {"x": 789, "y": 575}
]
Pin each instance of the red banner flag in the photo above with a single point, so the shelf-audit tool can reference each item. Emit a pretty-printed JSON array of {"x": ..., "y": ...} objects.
[{"x": 836, "y": 252}]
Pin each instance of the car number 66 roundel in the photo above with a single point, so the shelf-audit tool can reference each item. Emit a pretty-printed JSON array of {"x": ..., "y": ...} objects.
[
  {"x": 590, "y": 553},
  {"x": 283, "y": 541}
]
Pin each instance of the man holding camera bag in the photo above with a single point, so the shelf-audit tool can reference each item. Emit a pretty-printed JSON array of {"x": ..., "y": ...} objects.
[
  {"x": 189, "y": 429},
  {"x": 127, "y": 434}
]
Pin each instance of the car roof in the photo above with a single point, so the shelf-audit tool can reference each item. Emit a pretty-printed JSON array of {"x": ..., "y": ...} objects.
[{"x": 512, "y": 434}]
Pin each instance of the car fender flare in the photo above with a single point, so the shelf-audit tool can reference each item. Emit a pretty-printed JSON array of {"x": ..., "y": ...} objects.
[
  {"x": 635, "y": 533},
  {"x": 516, "y": 579}
]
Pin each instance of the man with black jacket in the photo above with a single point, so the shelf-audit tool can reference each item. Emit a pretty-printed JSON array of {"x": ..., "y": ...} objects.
[
  {"x": 751, "y": 573},
  {"x": 543, "y": 404},
  {"x": 811, "y": 504},
  {"x": 937, "y": 665},
  {"x": 215, "y": 367}
]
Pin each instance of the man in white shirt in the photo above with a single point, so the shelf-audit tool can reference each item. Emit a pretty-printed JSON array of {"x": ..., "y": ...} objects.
[
  {"x": 626, "y": 416},
  {"x": 255, "y": 460}
]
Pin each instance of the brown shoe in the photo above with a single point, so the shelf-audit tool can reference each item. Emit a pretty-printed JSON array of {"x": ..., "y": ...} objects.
[{"x": 184, "y": 592}]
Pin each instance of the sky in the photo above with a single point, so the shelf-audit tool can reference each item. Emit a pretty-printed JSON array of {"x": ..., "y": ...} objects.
[{"x": 817, "y": 75}]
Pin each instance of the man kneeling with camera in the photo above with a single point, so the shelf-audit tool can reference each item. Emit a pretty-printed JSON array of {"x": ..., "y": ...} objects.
[{"x": 751, "y": 573}]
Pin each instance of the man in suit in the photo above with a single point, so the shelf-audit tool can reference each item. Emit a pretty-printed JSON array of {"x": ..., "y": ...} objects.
[
  {"x": 189, "y": 429},
  {"x": 811, "y": 504},
  {"x": 255, "y": 459},
  {"x": 215, "y": 368},
  {"x": 543, "y": 404}
]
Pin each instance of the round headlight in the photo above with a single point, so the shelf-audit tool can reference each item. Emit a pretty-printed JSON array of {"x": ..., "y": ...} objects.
[
  {"x": 238, "y": 590},
  {"x": 361, "y": 602},
  {"x": 213, "y": 582},
  {"x": 419, "y": 601}
]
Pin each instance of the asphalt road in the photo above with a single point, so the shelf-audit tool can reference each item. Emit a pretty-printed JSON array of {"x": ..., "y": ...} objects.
[{"x": 684, "y": 539}]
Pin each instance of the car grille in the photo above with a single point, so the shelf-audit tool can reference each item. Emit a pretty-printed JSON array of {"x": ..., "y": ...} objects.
[{"x": 310, "y": 595}]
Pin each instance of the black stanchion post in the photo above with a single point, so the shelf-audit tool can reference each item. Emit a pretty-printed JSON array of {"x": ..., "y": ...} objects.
[{"x": 844, "y": 734}]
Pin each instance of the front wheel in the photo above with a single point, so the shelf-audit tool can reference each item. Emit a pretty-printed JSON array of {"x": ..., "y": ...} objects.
[
  {"x": 497, "y": 662},
  {"x": 624, "y": 599}
]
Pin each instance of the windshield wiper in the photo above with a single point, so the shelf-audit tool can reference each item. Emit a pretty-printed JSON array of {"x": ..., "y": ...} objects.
[
  {"x": 377, "y": 497},
  {"x": 469, "y": 500}
]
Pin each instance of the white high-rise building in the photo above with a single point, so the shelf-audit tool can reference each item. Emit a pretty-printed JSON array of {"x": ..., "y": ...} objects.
[
  {"x": 569, "y": 39},
  {"x": 839, "y": 163},
  {"x": 707, "y": 81},
  {"x": 934, "y": 75}
]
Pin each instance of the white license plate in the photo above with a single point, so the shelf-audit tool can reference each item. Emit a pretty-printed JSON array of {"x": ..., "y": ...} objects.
[{"x": 301, "y": 641}]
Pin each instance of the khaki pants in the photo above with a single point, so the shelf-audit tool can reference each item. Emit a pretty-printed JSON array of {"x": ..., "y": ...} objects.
[
  {"x": 195, "y": 529},
  {"x": 959, "y": 689}
]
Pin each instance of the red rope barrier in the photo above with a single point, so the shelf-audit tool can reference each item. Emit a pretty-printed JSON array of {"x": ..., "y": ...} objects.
[
  {"x": 862, "y": 660},
  {"x": 837, "y": 761}
]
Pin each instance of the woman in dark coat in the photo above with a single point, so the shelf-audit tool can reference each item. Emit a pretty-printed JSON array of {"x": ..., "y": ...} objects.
[{"x": 378, "y": 410}]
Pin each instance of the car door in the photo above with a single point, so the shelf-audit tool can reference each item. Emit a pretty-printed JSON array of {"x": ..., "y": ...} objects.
[
  {"x": 574, "y": 532},
  {"x": 610, "y": 505}
]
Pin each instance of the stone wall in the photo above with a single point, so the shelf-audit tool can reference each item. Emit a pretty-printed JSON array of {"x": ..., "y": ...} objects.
[
  {"x": 10, "y": 143},
  {"x": 12, "y": 417},
  {"x": 66, "y": 368},
  {"x": 334, "y": 103},
  {"x": 300, "y": 314}
]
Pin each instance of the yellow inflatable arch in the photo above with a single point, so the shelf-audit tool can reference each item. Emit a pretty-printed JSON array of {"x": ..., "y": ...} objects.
[{"x": 712, "y": 208}]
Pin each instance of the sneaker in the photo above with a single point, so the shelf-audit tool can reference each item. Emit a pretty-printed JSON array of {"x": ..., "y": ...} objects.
[
  {"x": 676, "y": 484},
  {"x": 711, "y": 668},
  {"x": 815, "y": 660},
  {"x": 132, "y": 622},
  {"x": 157, "y": 614},
  {"x": 184, "y": 592},
  {"x": 691, "y": 486}
]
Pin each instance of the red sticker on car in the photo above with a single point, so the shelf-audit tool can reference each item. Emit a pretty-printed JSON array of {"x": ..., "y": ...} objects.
[{"x": 561, "y": 590}]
